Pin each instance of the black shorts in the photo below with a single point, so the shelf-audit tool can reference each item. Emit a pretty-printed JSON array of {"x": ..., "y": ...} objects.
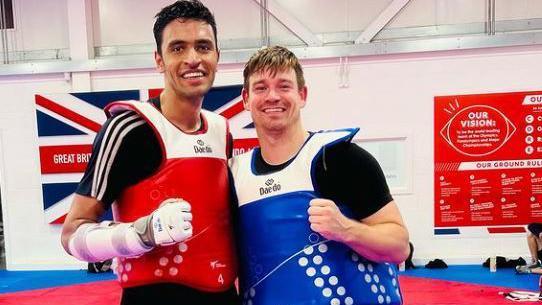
[
  {"x": 535, "y": 228},
  {"x": 173, "y": 294}
]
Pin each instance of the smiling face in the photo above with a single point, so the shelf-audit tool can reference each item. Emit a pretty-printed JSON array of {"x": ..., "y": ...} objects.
[
  {"x": 189, "y": 58},
  {"x": 274, "y": 100}
]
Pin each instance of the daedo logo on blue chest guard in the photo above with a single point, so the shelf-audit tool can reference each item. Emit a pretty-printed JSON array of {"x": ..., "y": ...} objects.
[
  {"x": 270, "y": 187},
  {"x": 201, "y": 148}
]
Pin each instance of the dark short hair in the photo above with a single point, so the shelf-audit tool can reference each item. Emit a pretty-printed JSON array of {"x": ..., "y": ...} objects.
[
  {"x": 182, "y": 9},
  {"x": 273, "y": 59}
]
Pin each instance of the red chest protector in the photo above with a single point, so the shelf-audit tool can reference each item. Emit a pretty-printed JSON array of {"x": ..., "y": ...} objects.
[{"x": 195, "y": 169}]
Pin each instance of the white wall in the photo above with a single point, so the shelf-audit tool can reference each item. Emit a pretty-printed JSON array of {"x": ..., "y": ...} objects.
[
  {"x": 512, "y": 9},
  {"x": 390, "y": 96},
  {"x": 43, "y": 24},
  {"x": 30, "y": 242},
  {"x": 237, "y": 19},
  {"x": 39, "y": 25}
]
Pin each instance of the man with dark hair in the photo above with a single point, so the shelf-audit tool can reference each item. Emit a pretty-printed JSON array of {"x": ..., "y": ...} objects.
[
  {"x": 182, "y": 9},
  {"x": 317, "y": 223},
  {"x": 161, "y": 165}
]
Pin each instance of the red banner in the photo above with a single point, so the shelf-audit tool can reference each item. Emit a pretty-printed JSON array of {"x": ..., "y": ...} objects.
[
  {"x": 64, "y": 158},
  {"x": 244, "y": 145},
  {"x": 488, "y": 156}
]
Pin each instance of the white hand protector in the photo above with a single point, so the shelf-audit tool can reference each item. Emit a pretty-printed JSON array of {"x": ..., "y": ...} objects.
[
  {"x": 95, "y": 242},
  {"x": 169, "y": 224}
]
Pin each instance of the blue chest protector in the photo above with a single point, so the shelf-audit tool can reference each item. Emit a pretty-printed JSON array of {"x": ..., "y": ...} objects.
[{"x": 284, "y": 262}]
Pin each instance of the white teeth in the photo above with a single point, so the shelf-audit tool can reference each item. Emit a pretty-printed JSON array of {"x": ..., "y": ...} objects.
[
  {"x": 192, "y": 75},
  {"x": 273, "y": 110}
]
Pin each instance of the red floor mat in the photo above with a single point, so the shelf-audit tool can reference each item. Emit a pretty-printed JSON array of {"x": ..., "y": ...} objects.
[
  {"x": 416, "y": 291},
  {"x": 97, "y": 293},
  {"x": 423, "y": 291}
]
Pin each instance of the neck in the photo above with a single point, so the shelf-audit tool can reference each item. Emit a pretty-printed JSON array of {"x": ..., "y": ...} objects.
[
  {"x": 280, "y": 147},
  {"x": 180, "y": 111}
]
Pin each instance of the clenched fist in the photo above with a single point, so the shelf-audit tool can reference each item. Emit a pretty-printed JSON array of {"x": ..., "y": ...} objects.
[
  {"x": 326, "y": 219},
  {"x": 169, "y": 224}
]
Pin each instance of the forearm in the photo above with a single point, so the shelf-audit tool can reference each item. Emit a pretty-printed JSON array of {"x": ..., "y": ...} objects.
[
  {"x": 87, "y": 240},
  {"x": 383, "y": 242},
  {"x": 93, "y": 242}
]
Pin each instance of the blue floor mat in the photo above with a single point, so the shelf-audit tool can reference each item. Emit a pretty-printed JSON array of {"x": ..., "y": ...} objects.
[
  {"x": 13, "y": 281},
  {"x": 476, "y": 274}
]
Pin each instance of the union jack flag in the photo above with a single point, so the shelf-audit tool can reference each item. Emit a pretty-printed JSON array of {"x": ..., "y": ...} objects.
[{"x": 68, "y": 123}]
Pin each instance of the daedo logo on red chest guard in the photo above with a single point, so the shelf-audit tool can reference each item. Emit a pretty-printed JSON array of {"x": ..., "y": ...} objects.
[{"x": 201, "y": 148}]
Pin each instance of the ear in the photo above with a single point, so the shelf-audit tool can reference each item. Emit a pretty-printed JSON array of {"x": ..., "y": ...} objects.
[
  {"x": 217, "y": 58},
  {"x": 244, "y": 94},
  {"x": 303, "y": 94},
  {"x": 159, "y": 62}
]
